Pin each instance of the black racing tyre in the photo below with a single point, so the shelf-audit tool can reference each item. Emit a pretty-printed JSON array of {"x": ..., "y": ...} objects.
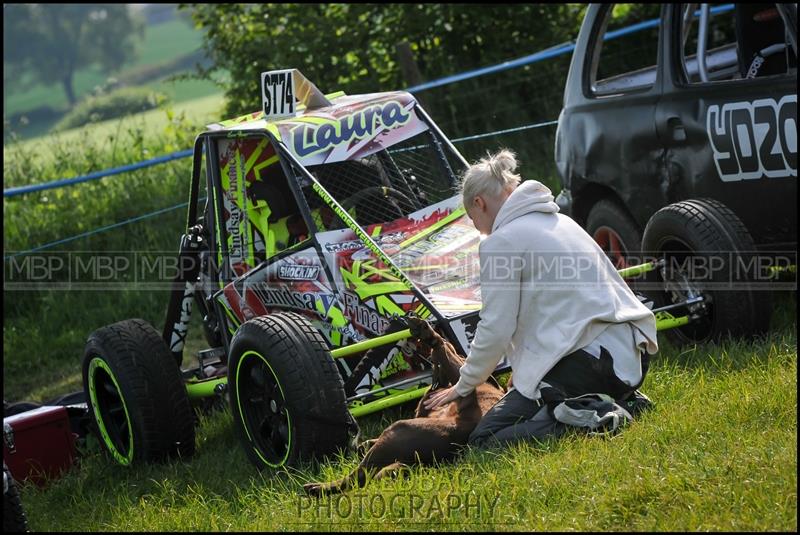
[
  {"x": 136, "y": 396},
  {"x": 709, "y": 252},
  {"x": 615, "y": 232},
  {"x": 286, "y": 393},
  {"x": 14, "y": 519}
]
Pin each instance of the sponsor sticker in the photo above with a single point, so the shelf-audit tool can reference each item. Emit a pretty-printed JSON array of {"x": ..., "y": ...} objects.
[
  {"x": 298, "y": 272},
  {"x": 752, "y": 140}
]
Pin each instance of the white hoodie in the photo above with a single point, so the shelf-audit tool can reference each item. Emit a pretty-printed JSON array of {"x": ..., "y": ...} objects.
[{"x": 547, "y": 289}]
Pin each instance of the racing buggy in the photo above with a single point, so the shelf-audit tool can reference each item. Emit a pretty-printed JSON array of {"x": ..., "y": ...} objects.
[{"x": 314, "y": 227}]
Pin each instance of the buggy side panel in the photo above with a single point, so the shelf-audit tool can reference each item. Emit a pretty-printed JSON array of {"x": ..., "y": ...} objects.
[{"x": 261, "y": 216}]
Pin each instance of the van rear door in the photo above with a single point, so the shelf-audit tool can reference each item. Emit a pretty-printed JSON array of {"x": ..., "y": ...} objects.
[{"x": 728, "y": 114}]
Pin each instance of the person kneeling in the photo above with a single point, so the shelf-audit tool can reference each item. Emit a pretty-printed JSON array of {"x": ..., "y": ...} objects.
[{"x": 565, "y": 332}]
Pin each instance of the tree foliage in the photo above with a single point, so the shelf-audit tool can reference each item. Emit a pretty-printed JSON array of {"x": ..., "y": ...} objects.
[
  {"x": 353, "y": 46},
  {"x": 55, "y": 40}
]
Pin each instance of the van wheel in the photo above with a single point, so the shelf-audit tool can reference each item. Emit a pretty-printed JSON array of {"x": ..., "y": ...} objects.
[
  {"x": 614, "y": 231},
  {"x": 707, "y": 252}
]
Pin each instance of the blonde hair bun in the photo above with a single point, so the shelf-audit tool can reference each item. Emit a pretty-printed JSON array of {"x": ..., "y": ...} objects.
[{"x": 490, "y": 176}]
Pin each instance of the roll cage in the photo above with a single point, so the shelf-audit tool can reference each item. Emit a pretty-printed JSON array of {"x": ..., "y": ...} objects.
[{"x": 205, "y": 220}]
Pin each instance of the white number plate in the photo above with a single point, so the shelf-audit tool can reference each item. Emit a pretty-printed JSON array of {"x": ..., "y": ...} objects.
[{"x": 278, "y": 94}]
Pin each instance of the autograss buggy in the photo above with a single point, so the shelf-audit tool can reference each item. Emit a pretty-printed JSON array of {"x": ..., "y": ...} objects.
[{"x": 321, "y": 228}]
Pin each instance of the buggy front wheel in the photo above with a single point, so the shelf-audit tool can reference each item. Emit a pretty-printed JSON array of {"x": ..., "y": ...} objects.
[
  {"x": 287, "y": 396},
  {"x": 136, "y": 394}
]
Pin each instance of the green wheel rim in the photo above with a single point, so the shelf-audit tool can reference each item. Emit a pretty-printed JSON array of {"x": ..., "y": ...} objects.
[
  {"x": 110, "y": 411},
  {"x": 262, "y": 409}
]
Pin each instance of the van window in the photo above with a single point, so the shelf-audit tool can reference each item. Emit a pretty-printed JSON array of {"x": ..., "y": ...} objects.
[
  {"x": 625, "y": 60},
  {"x": 741, "y": 41}
]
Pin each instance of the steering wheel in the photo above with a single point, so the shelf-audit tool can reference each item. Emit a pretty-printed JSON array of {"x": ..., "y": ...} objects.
[{"x": 384, "y": 192}]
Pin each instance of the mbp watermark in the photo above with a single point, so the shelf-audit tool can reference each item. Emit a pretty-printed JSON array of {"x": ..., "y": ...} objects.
[
  {"x": 539, "y": 270},
  {"x": 708, "y": 270},
  {"x": 91, "y": 270}
]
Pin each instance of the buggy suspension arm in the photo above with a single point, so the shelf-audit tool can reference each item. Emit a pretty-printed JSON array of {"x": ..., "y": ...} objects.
[{"x": 179, "y": 310}]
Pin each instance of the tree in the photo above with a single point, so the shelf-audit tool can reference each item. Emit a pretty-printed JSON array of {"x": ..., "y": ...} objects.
[
  {"x": 353, "y": 46},
  {"x": 53, "y": 41}
]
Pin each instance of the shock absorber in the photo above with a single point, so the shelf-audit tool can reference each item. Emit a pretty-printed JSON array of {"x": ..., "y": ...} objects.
[{"x": 179, "y": 310}]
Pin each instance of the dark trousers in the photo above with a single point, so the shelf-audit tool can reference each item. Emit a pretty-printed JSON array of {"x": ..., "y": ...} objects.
[{"x": 516, "y": 417}]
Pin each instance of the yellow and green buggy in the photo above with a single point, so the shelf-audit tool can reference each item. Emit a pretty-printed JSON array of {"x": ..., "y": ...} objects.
[{"x": 314, "y": 227}]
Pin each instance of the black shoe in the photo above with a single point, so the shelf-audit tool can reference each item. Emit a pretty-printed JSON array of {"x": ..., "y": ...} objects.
[{"x": 635, "y": 403}]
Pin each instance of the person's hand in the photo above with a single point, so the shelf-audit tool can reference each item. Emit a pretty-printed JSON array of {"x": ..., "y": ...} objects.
[{"x": 442, "y": 397}]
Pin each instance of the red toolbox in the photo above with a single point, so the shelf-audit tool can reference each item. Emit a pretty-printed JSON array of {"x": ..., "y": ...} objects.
[{"x": 38, "y": 444}]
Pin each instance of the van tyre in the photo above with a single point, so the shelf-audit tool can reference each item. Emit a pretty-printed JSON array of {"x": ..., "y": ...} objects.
[
  {"x": 287, "y": 395},
  {"x": 136, "y": 395},
  {"x": 615, "y": 232},
  {"x": 707, "y": 233}
]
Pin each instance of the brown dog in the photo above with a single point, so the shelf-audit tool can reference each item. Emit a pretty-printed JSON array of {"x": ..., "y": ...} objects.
[{"x": 436, "y": 434}]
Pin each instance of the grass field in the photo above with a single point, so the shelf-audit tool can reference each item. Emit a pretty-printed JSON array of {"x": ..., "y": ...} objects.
[
  {"x": 718, "y": 452},
  {"x": 162, "y": 43},
  {"x": 197, "y": 110},
  {"x": 173, "y": 38}
]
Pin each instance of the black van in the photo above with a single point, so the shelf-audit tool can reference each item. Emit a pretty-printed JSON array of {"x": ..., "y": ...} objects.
[
  {"x": 685, "y": 147},
  {"x": 714, "y": 117}
]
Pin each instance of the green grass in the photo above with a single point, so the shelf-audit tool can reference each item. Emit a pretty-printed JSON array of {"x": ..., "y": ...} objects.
[
  {"x": 183, "y": 91},
  {"x": 84, "y": 81},
  {"x": 718, "y": 452},
  {"x": 174, "y": 37},
  {"x": 197, "y": 111},
  {"x": 111, "y": 140}
]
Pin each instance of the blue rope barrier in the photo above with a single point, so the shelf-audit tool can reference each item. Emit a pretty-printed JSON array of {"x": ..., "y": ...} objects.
[
  {"x": 98, "y": 230},
  {"x": 479, "y": 136},
  {"x": 506, "y": 65},
  {"x": 506, "y": 131},
  {"x": 21, "y": 190}
]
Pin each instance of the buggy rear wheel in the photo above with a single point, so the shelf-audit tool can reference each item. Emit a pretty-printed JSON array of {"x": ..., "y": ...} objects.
[
  {"x": 14, "y": 519},
  {"x": 136, "y": 395},
  {"x": 287, "y": 396}
]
